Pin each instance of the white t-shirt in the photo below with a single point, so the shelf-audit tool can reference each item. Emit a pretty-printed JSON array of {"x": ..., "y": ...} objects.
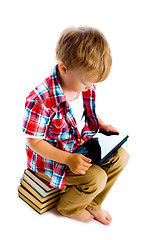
[{"x": 78, "y": 111}]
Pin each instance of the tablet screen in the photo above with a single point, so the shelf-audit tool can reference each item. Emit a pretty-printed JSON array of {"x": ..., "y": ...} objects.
[{"x": 100, "y": 147}]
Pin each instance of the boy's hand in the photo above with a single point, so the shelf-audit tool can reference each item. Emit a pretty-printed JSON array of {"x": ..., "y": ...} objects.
[
  {"x": 109, "y": 128},
  {"x": 78, "y": 163},
  {"x": 106, "y": 127}
]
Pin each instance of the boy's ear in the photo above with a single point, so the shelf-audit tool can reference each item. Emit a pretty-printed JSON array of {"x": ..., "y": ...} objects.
[{"x": 62, "y": 68}]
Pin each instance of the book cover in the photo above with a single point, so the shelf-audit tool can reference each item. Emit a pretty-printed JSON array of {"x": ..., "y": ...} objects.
[
  {"x": 38, "y": 187},
  {"x": 23, "y": 191},
  {"x": 40, "y": 211},
  {"x": 43, "y": 183},
  {"x": 41, "y": 198}
]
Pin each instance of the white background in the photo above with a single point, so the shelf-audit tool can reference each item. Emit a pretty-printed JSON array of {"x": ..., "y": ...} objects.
[{"x": 128, "y": 99}]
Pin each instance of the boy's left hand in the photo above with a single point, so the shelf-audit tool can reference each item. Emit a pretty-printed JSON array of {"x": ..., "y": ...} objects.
[{"x": 108, "y": 128}]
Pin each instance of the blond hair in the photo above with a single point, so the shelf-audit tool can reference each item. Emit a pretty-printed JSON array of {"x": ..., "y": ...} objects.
[{"x": 85, "y": 48}]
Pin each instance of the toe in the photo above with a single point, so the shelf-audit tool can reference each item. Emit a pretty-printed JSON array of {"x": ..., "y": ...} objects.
[
  {"x": 108, "y": 216},
  {"x": 105, "y": 221}
]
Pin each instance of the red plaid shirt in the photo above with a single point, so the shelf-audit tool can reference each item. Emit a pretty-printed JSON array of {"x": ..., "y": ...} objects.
[{"x": 48, "y": 116}]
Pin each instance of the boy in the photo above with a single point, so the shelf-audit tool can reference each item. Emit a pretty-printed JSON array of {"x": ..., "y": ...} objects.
[{"x": 60, "y": 115}]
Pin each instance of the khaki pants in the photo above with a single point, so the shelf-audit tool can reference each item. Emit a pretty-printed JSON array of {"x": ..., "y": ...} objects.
[{"x": 89, "y": 190}]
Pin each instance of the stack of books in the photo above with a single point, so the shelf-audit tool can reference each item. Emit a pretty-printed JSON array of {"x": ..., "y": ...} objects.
[{"x": 37, "y": 192}]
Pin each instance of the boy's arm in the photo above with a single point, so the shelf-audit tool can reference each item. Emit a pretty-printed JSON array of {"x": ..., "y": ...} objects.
[
  {"x": 77, "y": 163},
  {"x": 106, "y": 127},
  {"x": 46, "y": 150}
]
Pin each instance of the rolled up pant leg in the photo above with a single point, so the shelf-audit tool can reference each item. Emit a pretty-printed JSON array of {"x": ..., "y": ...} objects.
[
  {"x": 82, "y": 190},
  {"x": 113, "y": 168},
  {"x": 89, "y": 190}
]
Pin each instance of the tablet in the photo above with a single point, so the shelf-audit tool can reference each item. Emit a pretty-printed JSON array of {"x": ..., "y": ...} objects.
[{"x": 102, "y": 146}]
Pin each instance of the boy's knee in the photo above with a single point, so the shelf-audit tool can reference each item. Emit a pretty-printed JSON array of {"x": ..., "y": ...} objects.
[
  {"x": 96, "y": 178},
  {"x": 123, "y": 157}
]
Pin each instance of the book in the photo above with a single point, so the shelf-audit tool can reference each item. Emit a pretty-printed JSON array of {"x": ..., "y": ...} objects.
[
  {"x": 37, "y": 185},
  {"x": 40, "y": 211},
  {"x": 37, "y": 192},
  {"x": 42, "y": 176},
  {"x": 42, "y": 199},
  {"x": 23, "y": 191},
  {"x": 39, "y": 180},
  {"x": 102, "y": 146}
]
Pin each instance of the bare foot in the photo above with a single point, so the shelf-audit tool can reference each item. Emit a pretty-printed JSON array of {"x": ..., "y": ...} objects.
[
  {"x": 101, "y": 215},
  {"x": 85, "y": 216}
]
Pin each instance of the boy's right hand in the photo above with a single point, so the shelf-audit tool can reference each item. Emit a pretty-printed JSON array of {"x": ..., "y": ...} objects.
[{"x": 78, "y": 163}]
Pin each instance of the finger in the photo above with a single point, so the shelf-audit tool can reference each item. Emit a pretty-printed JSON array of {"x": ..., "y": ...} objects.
[
  {"x": 82, "y": 172},
  {"x": 115, "y": 130},
  {"x": 87, "y": 160},
  {"x": 84, "y": 168},
  {"x": 86, "y": 165}
]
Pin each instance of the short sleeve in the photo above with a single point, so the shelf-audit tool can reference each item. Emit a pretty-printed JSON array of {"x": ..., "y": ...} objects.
[{"x": 36, "y": 119}]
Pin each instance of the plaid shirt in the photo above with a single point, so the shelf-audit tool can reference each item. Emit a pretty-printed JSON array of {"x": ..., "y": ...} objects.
[{"x": 49, "y": 116}]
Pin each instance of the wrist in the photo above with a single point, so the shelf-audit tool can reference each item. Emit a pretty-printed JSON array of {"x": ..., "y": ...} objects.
[
  {"x": 100, "y": 123},
  {"x": 66, "y": 158}
]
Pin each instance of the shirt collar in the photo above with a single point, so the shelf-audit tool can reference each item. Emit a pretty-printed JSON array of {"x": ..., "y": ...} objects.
[
  {"x": 56, "y": 87},
  {"x": 57, "y": 91}
]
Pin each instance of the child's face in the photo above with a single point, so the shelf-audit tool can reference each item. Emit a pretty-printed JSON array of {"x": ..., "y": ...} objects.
[{"x": 76, "y": 80}]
